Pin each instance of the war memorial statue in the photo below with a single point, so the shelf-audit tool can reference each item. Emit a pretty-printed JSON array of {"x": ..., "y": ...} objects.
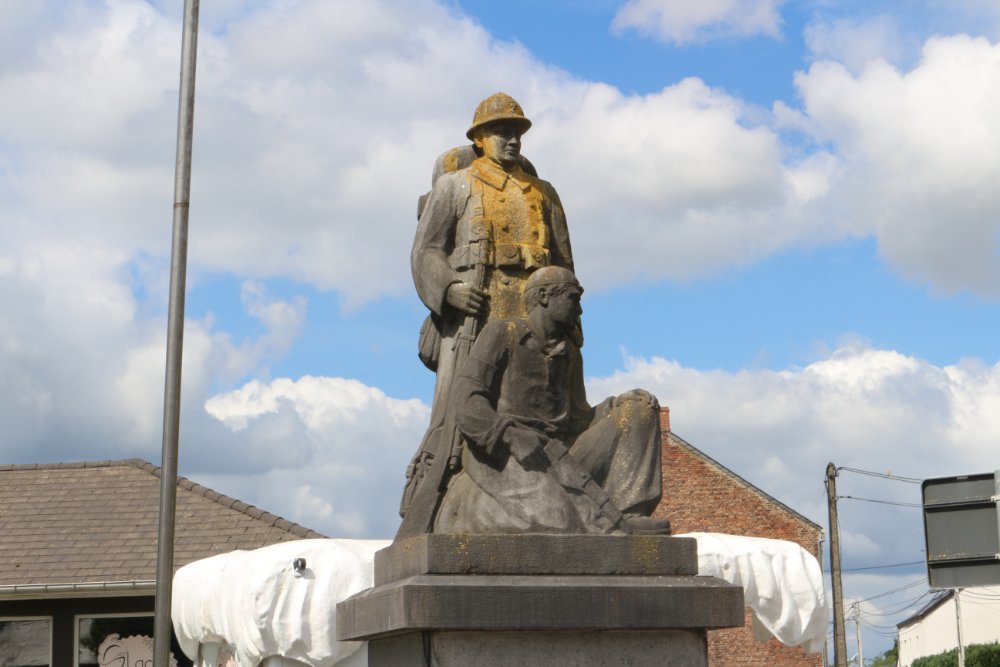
[
  {"x": 526, "y": 536},
  {"x": 513, "y": 445}
]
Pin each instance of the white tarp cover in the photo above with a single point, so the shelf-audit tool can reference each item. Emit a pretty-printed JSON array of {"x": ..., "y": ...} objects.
[
  {"x": 782, "y": 584},
  {"x": 254, "y": 602}
]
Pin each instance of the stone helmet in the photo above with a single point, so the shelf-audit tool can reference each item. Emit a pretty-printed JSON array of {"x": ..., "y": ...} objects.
[{"x": 497, "y": 107}]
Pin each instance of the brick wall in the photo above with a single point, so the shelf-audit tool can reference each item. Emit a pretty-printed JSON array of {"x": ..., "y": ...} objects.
[{"x": 699, "y": 495}]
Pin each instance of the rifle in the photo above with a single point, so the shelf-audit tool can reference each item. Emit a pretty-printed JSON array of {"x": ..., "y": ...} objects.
[{"x": 445, "y": 445}]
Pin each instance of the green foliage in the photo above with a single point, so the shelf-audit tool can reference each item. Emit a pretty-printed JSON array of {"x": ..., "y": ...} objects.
[
  {"x": 887, "y": 659},
  {"x": 946, "y": 659},
  {"x": 976, "y": 655},
  {"x": 983, "y": 655}
]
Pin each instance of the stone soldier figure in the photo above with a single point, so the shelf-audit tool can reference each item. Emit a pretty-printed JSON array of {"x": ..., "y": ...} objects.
[
  {"x": 483, "y": 230},
  {"x": 538, "y": 457}
]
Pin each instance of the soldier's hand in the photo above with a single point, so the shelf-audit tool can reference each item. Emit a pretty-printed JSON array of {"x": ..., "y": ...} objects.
[
  {"x": 467, "y": 298},
  {"x": 527, "y": 447}
]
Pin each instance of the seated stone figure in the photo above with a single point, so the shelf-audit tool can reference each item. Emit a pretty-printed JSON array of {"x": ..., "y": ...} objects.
[{"x": 538, "y": 458}]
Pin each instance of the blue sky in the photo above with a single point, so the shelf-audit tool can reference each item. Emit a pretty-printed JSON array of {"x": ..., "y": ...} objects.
[{"x": 785, "y": 215}]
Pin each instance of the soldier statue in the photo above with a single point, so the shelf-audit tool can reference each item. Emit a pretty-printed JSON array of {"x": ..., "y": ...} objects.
[
  {"x": 486, "y": 225},
  {"x": 488, "y": 228}
]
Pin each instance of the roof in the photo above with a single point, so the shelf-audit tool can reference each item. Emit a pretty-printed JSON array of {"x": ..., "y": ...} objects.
[
  {"x": 939, "y": 598},
  {"x": 681, "y": 442},
  {"x": 95, "y": 522}
]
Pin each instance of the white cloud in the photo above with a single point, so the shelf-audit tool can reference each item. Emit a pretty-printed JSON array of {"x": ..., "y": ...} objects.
[
  {"x": 856, "y": 42},
  {"x": 339, "y": 450},
  {"x": 82, "y": 360},
  {"x": 295, "y": 177},
  {"x": 917, "y": 158},
  {"x": 876, "y": 410},
  {"x": 860, "y": 407},
  {"x": 680, "y": 182},
  {"x": 683, "y": 22}
]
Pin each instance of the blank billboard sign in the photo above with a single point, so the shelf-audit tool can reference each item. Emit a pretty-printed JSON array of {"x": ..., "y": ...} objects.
[{"x": 962, "y": 531}]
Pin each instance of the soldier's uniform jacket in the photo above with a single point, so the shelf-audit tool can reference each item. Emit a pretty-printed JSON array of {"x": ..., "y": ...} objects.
[{"x": 512, "y": 222}]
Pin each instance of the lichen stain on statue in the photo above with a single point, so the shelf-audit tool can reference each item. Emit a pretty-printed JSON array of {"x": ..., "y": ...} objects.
[{"x": 513, "y": 446}]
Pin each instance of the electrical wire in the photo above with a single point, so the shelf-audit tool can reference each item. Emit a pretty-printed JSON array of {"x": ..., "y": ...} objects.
[
  {"x": 895, "y": 590},
  {"x": 979, "y": 595},
  {"x": 897, "y": 478},
  {"x": 992, "y": 605},
  {"x": 903, "y": 606},
  {"x": 881, "y": 502},
  {"x": 875, "y": 625},
  {"x": 876, "y": 567}
]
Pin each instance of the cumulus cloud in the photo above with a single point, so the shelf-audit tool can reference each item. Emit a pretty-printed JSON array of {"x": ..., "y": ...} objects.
[
  {"x": 293, "y": 177},
  {"x": 856, "y": 42},
  {"x": 917, "y": 157},
  {"x": 343, "y": 445},
  {"x": 340, "y": 447},
  {"x": 859, "y": 407},
  {"x": 684, "y": 22},
  {"x": 82, "y": 360},
  {"x": 681, "y": 182},
  {"x": 292, "y": 180}
]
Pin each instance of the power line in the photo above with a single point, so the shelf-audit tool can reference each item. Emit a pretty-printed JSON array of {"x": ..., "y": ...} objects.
[
  {"x": 984, "y": 603},
  {"x": 881, "y": 502},
  {"x": 979, "y": 594},
  {"x": 875, "y": 625},
  {"x": 895, "y": 590},
  {"x": 897, "y": 478},
  {"x": 876, "y": 567},
  {"x": 903, "y": 606}
]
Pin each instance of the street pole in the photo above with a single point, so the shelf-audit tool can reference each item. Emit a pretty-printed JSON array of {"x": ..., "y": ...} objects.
[
  {"x": 839, "y": 639},
  {"x": 819, "y": 557},
  {"x": 857, "y": 632},
  {"x": 958, "y": 622},
  {"x": 175, "y": 340}
]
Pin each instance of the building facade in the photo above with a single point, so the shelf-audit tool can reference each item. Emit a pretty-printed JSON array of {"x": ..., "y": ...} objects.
[
  {"x": 78, "y": 557},
  {"x": 934, "y": 629}
]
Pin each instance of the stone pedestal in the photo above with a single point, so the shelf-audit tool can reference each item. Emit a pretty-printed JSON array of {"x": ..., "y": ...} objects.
[{"x": 448, "y": 600}]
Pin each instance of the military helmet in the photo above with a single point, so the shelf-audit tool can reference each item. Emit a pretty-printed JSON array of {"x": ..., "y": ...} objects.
[{"x": 498, "y": 107}]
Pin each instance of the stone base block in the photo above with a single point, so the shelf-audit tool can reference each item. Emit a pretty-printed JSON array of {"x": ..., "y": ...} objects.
[
  {"x": 588, "y": 648},
  {"x": 531, "y": 554},
  {"x": 553, "y": 600},
  {"x": 504, "y": 602}
]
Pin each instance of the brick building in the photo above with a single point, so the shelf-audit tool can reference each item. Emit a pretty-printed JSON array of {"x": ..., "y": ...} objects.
[{"x": 702, "y": 495}]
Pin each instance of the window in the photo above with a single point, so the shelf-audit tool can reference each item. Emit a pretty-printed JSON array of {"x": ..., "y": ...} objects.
[
  {"x": 119, "y": 640},
  {"x": 25, "y": 642}
]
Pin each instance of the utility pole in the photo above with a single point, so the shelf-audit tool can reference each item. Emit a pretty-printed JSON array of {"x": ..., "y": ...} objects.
[
  {"x": 857, "y": 632},
  {"x": 839, "y": 639},
  {"x": 958, "y": 622},
  {"x": 175, "y": 341}
]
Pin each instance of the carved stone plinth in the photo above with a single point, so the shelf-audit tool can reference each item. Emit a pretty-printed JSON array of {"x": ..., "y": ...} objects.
[{"x": 444, "y": 600}]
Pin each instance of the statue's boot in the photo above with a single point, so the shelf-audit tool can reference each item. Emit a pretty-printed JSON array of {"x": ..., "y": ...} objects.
[{"x": 645, "y": 525}]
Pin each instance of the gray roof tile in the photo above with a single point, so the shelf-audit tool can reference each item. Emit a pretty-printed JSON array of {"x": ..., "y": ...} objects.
[{"x": 93, "y": 521}]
